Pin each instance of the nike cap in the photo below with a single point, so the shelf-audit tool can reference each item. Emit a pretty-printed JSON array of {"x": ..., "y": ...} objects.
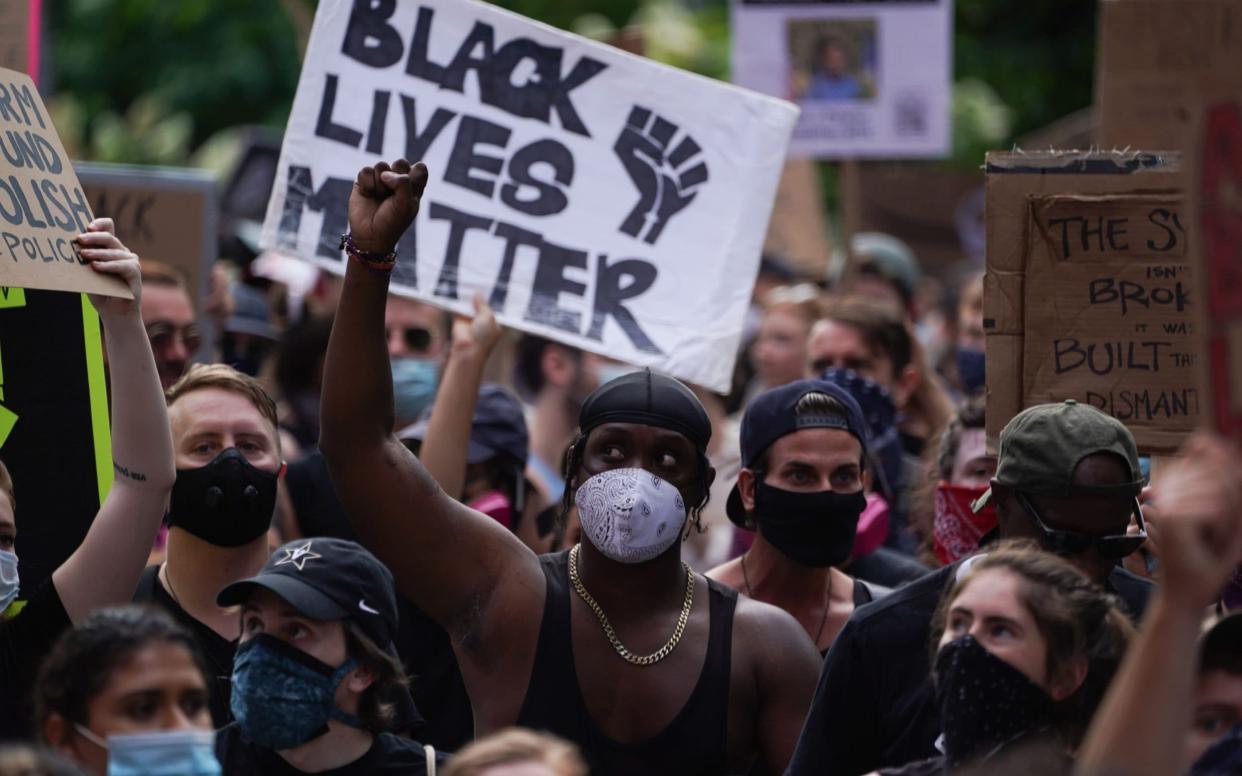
[{"x": 328, "y": 579}]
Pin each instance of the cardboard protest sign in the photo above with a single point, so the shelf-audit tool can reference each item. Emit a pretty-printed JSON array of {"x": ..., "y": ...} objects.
[
  {"x": 54, "y": 432},
  {"x": 42, "y": 206},
  {"x": 591, "y": 196},
  {"x": 162, "y": 213},
  {"x": 873, "y": 78},
  {"x": 1156, "y": 60},
  {"x": 1215, "y": 184},
  {"x": 1089, "y": 292}
]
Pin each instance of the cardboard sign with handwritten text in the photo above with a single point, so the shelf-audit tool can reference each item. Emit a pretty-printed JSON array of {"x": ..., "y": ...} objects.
[
  {"x": 42, "y": 205},
  {"x": 1112, "y": 320},
  {"x": 1089, "y": 292}
]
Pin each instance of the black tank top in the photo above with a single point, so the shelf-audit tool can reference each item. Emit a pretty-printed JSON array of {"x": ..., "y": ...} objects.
[{"x": 693, "y": 743}]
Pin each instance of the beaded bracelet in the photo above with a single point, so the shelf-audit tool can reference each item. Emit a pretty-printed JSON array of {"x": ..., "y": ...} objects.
[{"x": 383, "y": 262}]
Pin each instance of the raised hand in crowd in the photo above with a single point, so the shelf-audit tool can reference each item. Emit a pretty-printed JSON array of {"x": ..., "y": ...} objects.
[
  {"x": 444, "y": 447},
  {"x": 104, "y": 569},
  {"x": 467, "y": 572},
  {"x": 738, "y": 669},
  {"x": 1141, "y": 725}
]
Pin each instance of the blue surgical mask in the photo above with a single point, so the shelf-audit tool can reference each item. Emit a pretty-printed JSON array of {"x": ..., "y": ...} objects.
[
  {"x": 10, "y": 583},
  {"x": 970, "y": 369},
  {"x": 413, "y": 386},
  {"x": 159, "y": 753},
  {"x": 283, "y": 697}
]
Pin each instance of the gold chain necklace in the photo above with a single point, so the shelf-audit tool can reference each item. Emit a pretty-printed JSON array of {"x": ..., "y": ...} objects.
[{"x": 628, "y": 656}]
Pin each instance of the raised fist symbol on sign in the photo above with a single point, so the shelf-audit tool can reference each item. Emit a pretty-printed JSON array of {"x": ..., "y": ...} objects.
[{"x": 666, "y": 176}]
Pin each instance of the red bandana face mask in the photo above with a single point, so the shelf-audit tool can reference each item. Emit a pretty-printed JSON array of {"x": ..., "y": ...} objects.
[{"x": 956, "y": 530}]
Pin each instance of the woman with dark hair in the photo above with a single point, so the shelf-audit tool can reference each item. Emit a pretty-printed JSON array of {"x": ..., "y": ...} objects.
[
  {"x": 126, "y": 692},
  {"x": 1024, "y": 647}
]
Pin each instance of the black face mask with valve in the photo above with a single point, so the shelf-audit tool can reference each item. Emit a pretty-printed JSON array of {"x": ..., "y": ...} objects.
[{"x": 227, "y": 503}]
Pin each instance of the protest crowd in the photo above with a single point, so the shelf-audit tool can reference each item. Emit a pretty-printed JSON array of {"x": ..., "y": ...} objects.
[{"x": 533, "y": 523}]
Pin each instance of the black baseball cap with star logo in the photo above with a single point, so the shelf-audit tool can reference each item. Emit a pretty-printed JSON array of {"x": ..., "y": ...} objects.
[{"x": 328, "y": 579}]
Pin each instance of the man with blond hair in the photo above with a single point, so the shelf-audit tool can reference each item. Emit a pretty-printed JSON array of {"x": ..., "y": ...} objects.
[{"x": 227, "y": 451}]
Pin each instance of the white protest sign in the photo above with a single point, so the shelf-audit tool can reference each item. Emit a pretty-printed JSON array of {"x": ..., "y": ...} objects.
[
  {"x": 873, "y": 77},
  {"x": 591, "y": 196}
]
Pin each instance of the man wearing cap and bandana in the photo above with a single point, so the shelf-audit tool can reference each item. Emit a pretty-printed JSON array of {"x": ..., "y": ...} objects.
[
  {"x": 801, "y": 489},
  {"x": 615, "y": 645},
  {"x": 316, "y": 680},
  {"x": 1067, "y": 477}
]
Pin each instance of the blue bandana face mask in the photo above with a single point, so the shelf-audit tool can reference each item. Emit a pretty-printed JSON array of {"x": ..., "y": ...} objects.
[
  {"x": 159, "y": 753},
  {"x": 413, "y": 386},
  {"x": 283, "y": 697}
]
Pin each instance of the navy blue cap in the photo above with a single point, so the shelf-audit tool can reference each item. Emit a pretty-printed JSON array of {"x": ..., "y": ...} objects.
[
  {"x": 328, "y": 579},
  {"x": 652, "y": 400},
  {"x": 771, "y": 415},
  {"x": 498, "y": 427}
]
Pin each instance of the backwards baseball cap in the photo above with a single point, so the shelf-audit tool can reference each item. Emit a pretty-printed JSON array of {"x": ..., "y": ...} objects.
[
  {"x": 652, "y": 400},
  {"x": 773, "y": 414},
  {"x": 1042, "y": 446},
  {"x": 498, "y": 427},
  {"x": 328, "y": 579}
]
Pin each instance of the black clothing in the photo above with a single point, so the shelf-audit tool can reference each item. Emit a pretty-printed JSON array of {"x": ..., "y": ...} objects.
[
  {"x": 865, "y": 593},
  {"x": 389, "y": 754},
  {"x": 875, "y": 705},
  {"x": 886, "y": 566},
  {"x": 436, "y": 684},
  {"x": 693, "y": 743},
  {"x": 24, "y": 641},
  {"x": 318, "y": 508},
  {"x": 1033, "y": 752},
  {"x": 215, "y": 648}
]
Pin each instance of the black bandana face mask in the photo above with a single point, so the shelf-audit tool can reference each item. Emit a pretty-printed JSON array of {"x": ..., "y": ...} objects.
[
  {"x": 815, "y": 529},
  {"x": 227, "y": 503},
  {"x": 984, "y": 702}
]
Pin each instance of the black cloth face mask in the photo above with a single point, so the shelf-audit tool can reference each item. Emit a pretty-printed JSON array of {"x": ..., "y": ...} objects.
[
  {"x": 815, "y": 529},
  {"x": 984, "y": 702},
  {"x": 227, "y": 503}
]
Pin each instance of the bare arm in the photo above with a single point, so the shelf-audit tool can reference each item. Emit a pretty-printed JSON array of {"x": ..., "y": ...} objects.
[
  {"x": 449, "y": 560},
  {"x": 1141, "y": 725},
  {"x": 105, "y": 568},
  {"x": 787, "y": 670},
  {"x": 444, "y": 448}
]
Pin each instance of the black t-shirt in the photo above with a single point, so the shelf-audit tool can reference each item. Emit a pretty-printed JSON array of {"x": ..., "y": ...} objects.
[
  {"x": 216, "y": 649},
  {"x": 24, "y": 641},
  {"x": 875, "y": 705},
  {"x": 389, "y": 754}
]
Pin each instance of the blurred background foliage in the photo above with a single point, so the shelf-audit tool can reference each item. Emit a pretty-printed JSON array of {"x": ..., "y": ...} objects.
[{"x": 160, "y": 82}]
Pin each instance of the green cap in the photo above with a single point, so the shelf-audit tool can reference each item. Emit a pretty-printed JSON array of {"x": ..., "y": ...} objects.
[{"x": 1043, "y": 445}]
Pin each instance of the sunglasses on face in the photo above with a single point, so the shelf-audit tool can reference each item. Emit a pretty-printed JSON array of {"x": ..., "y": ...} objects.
[
  {"x": 416, "y": 338},
  {"x": 1061, "y": 542},
  {"x": 163, "y": 334}
]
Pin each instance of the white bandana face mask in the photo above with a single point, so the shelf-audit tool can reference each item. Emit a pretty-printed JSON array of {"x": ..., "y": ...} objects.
[{"x": 630, "y": 515}]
